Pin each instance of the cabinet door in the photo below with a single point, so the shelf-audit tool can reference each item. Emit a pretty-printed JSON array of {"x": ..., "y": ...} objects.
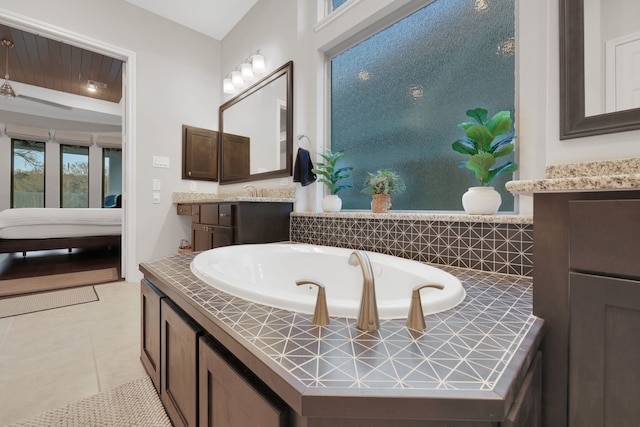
[
  {"x": 526, "y": 410},
  {"x": 150, "y": 330},
  {"x": 227, "y": 399},
  {"x": 179, "y": 344},
  {"x": 222, "y": 236},
  {"x": 604, "y": 351},
  {"x": 199, "y": 154},
  {"x": 201, "y": 237}
]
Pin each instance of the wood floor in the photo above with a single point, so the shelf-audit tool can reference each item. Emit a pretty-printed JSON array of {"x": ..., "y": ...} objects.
[{"x": 57, "y": 269}]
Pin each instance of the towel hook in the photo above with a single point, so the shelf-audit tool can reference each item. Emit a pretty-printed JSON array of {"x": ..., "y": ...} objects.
[{"x": 301, "y": 137}]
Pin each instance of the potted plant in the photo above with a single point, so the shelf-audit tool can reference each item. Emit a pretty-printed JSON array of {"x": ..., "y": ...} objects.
[
  {"x": 333, "y": 177},
  {"x": 381, "y": 185},
  {"x": 484, "y": 149}
]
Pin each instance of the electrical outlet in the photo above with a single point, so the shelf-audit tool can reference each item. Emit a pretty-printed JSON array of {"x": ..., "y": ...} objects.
[
  {"x": 156, "y": 197},
  {"x": 284, "y": 182},
  {"x": 156, "y": 185},
  {"x": 193, "y": 186}
]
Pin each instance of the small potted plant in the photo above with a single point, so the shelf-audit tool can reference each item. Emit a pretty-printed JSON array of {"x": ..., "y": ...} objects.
[
  {"x": 333, "y": 177},
  {"x": 481, "y": 144},
  {"x": 381, "y": 186}
]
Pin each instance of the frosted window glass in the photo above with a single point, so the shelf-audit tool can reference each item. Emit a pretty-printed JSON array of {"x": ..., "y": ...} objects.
[{"x": 397, "y": 97}]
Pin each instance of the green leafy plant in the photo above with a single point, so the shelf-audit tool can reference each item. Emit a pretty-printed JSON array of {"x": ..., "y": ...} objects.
[
  {"x": 384, "y": 181},
  {"x": 481, "y": 144},
  {"x": 331, "y": 175}
]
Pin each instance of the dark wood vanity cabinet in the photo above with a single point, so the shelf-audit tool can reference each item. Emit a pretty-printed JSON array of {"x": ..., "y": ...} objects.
[
  {"x": 587, "y": 289},
  {"x": 150, "y": 298},
  {"x": 197, "y": 385},
  {"x": 199, "y": 154},
  {"x": 222, "y": 224},
  {"x": 178, "y": 361},
  {"x": 227, "y": 398}
]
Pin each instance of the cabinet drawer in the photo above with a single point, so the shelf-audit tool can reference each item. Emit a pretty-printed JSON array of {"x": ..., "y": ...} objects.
[
  {"x": 184, "y": 210},
  {"x": 209, "y": 214},
  {"x": 605, "y": 236},
  {"x": 226, "y": 215}
]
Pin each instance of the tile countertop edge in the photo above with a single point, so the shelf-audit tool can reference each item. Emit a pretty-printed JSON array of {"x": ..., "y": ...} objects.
[
  {"x": 423, "y": 216},
  {"x": 581, "y": 183},
  {"x": 499, "y": 399}
]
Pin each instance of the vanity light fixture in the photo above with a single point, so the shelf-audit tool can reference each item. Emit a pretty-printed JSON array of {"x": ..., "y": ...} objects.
[
  {"x": 6, "y": 90},
  {"x": 245, "y": 72}
]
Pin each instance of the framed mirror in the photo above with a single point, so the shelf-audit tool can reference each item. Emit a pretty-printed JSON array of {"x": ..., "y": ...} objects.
[
  {"x": 256, "y": 130},
  {"x": 596, "y": 67}
]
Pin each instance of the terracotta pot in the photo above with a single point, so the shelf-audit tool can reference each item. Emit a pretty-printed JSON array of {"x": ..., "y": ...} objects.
[{"x": 380, "y": 203}]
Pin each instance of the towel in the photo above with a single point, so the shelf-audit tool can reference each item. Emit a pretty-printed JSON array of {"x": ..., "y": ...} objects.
[{"x": 302, "y": 170}]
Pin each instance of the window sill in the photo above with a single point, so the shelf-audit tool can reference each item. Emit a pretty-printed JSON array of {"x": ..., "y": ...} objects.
[{"x": 502, "y": 218}]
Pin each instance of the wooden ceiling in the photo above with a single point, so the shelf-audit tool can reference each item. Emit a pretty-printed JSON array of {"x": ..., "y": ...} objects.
[{"x": 38, "y": 61}]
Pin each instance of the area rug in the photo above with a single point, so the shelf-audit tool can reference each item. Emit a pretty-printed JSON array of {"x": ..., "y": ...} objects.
[
  {"x": 58, "y": 281},
  {"x": 16, "y": 306},
  {"x": 133, "y": 404}
]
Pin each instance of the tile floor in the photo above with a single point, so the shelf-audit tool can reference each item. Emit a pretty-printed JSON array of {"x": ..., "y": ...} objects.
[{"x": 56, "y": 357}]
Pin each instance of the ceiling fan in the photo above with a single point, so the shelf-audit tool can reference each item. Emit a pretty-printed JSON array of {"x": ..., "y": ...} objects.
[{"x": 7, "y": 91}]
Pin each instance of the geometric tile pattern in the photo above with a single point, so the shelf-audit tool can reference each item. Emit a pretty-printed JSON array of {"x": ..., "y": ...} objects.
[
  {"x": 496, "y": 247},
  {"x": 464, "y": 348}
]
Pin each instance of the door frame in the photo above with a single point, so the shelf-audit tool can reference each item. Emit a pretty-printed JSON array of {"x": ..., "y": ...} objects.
[{"x": 128, "y": 252}]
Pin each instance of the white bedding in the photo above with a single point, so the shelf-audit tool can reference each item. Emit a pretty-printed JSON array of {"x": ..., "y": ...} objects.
[{"x": 45, "y": 223}]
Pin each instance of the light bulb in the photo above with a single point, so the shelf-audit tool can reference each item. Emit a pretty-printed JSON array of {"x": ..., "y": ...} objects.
[
  {"x": 247, "y": 71},
  {"x": 227, "y": 86},
  {"x": 257, "y": 62},
  {"x": 236, "y": 79}
]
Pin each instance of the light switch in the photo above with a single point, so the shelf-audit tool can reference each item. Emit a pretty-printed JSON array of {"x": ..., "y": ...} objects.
[
  {"x": 160, "y": 162},
  {"x": 156, "y": 197},
  {"x": 156, "y": 185}
]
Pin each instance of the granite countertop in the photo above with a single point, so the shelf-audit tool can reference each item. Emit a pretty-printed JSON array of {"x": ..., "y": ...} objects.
[
  {"x": 475, "y": 349},
  {"x": 588, "y": 176},
  {"x": 195, "y": 197}
]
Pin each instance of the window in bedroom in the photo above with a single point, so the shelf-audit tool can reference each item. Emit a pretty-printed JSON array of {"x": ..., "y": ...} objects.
[
  {"x": 111, "y": 176},
  {"x": 397, "y": 97},
  {"x": 74, "y": 176},
  {"x": 27, "y": 174}
]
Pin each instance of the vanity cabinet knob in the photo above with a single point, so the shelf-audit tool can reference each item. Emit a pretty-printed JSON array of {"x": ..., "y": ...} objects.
[
  {"x": 189, "y": 173},
  {"x": 415, "y": 318},
  {"x": 320, "y": 314}
]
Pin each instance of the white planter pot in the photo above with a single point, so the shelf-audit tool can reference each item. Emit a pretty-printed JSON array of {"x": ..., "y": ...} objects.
[
  {"x": 481, "y": 201},
  {"x": 331, "y": 203}
]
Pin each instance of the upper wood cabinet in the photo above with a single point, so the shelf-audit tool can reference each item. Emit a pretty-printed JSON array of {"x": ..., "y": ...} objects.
[{"x": 199, "y": 154}]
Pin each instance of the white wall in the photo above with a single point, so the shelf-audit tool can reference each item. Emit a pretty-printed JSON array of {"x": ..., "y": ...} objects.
[
  {"x": 177, "y": 82},
  {"x": 284, "y": 29}
]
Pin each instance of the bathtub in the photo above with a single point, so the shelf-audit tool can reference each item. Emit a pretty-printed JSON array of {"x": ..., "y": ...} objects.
[{"x": 267, "y": 274}]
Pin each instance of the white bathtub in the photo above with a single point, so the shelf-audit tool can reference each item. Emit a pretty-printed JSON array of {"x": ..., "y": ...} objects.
[{"x": 267, "y": 274}]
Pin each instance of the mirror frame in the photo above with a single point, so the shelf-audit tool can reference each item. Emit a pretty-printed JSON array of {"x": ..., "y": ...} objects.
[
  {"x": 287, "y": 71},
  {"x": 573, "y": 122}
]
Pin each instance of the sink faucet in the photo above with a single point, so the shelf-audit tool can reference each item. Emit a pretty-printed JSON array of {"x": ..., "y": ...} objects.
[
  {"x": 253, "y": 191},
  {"x": 368, "y": 319}
]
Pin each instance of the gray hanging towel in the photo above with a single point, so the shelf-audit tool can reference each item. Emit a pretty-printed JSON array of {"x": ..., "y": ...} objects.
[{"x": 302, "y": 169}]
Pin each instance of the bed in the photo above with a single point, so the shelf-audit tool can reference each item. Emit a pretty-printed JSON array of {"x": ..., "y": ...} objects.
[{"x": 34, "y": 229}]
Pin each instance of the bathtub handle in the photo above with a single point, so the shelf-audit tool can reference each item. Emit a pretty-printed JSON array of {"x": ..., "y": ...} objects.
[
  {"x": 321, "y": 314},
  {"x": 415, "y": 318}
]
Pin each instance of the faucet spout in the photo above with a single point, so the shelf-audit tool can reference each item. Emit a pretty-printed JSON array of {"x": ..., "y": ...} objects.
[{"x": 368, "y": 319}]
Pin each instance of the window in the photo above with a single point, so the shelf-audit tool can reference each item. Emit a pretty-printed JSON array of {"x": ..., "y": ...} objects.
[
  {"x": 337, "y": 3},
  {"x": 74, "y": 172},
  {"x": 397, "y": 97},
  {"x": 111, "y": 176},
  {"x": 27, "y": 166}
]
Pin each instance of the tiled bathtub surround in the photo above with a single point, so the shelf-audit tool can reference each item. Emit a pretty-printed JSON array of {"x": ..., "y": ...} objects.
[
  {"x": 466, "y": 348},
  {"x": 502, "y": 244}
]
